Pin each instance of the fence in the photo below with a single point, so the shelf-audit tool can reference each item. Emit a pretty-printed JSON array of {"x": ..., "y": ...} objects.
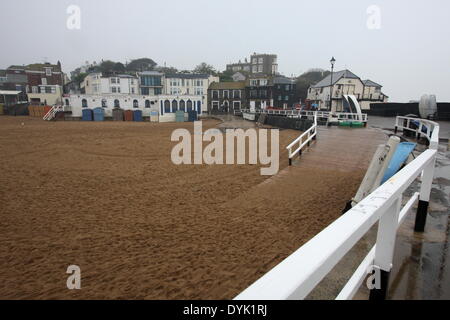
[
  {"x": 309, "y": 113},
  {"x": 310, "y": 134},
  {"x": 297, "y": 275}
]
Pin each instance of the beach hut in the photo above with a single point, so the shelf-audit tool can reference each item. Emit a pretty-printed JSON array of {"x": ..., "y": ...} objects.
[
  {"x": 137, "y": 115},
  {"x": 99, "y": 114},
  {"x": 117, "y": 114},
  {"x": 86, "y": 115}
]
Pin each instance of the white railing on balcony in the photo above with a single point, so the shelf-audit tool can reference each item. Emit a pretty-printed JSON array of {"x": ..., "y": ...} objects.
[
  {"x": 302, "y": 141},
  {"x": 297, "y": 275}
]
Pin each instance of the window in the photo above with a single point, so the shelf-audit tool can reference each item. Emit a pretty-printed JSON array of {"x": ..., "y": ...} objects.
[
  {"x": 254, "y": 60},
  {"x": 157, "y": 91},
  {"x": 132, "y": 81},
  {"x": 182, "y": 105},
  {"x": 236, "y": 105},
  {"x": 135, "y": 104},
  {"x": 286, "y": 98},
  {"x": 261, "y": 60},
  {"x": 34, "y": 89},
  {"x": 174, "y": 105},
  {"x": 113, "y": 89},
  {"x": 280, "y": 98},
  {"x": 44, "y": 81},
  {"x": 67, "y": 102},
  {"x": 84, "y": 103},
  {"x": 198, "y": 91},
  {"x": 48, "y": 71},
  {"x": 255, "y": 69},
  {"x": 215, "y": 94},
  {"x": 113, "y": 80},
  {"x": 104, "y": 103},
  {"x": 253, "y": 93},
  {"x": 167, "y": 106},
  {"x": 215, "y": 105},
  {"x": 147, "y": 103},
  {"x": 189, "y": 105},
  {"x": 116, "y": 103},
  {"x": 225, "y": 94},
  {"x": 260, "y": 68},
  {"x": 132, "y": 91},
  {"x": 199, "y": 83},
  {"x": 237, "y": 94},
  {"x": 287, "y": 87}
]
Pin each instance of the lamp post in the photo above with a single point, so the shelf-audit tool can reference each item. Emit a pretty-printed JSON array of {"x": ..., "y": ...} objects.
[{"x": 332, "y": 61}]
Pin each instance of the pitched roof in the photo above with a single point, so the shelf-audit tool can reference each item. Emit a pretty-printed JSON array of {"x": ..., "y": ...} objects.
[
  {"x": 188, "y": 75},
  {"x": 370, "y": 83},
  {"x": 326, "y": 82},
  {"x": 227, "y": 85},
  {"x": 42, "y": 66}
]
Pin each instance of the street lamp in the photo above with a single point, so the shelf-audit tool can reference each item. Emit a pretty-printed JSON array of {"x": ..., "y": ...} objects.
[{"x": 332, "y": 61}]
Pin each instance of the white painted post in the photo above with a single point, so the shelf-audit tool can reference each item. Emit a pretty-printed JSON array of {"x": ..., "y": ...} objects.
[
  {"x": 424, "y": 198},
  {"x": 384, "y": 252}
]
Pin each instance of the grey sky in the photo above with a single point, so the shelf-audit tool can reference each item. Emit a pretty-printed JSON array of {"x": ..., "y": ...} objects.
[{"x": 409, "y": 55}]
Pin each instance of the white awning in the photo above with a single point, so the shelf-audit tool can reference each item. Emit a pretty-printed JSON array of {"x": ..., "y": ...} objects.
[{"x": 9, "y": 92}]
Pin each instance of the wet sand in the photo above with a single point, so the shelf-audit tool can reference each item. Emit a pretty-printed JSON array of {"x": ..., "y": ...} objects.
[{"x": 106, "y": 197}]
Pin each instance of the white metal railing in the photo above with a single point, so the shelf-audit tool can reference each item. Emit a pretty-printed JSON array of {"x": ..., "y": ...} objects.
[
  {"x": 421, "y": 127},
  {"x": 341, "y": 116},
  {"x": 297, "y": 275},
  {"x": 52, "y": 112},
  {"x": 303, "y": 140}
]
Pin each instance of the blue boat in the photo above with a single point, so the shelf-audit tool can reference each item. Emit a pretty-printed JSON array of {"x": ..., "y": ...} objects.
[{"x": 400, "y": 156}]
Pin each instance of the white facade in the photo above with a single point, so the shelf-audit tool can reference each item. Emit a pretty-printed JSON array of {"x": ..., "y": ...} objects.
[
  {"x": 163, "y": 104},
  {"x": 190, "y": 84},
  {"x": 49, "y": 94},
  {"x": 345, "y": 83},
  {"x": 95, "y": 83}
]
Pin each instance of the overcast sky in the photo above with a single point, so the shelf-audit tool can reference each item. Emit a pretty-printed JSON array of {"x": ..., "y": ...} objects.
[{"x": 409, "y": 54}]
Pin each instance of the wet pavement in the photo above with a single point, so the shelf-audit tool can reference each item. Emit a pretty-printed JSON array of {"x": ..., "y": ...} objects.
[{"x": 421, "y": 264}]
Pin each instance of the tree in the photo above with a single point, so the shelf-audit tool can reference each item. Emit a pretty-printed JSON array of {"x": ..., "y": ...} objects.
[
  {"x": 107, "y": 66},
  {"x": 226, "y": 76},
  {"x": 78, "y": 79},
  {"x": 167, "y": 70},
  {"x": 119, "y": 67},
  {"x": 306, "y": 80},
  {"x": 205, "y": 68},
  {"x": 142, "y": 64}
]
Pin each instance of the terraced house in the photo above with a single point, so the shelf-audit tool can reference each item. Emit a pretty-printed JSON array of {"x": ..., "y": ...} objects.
[
  {"x": 226, "y": 97},
  {"x": 189, "y": 84},
  {"x": 45, "y": 83}
]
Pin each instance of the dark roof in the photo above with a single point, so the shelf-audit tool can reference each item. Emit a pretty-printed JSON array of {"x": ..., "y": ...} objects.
[
  {"x": 326, "y": 82},
  {"x": 282, "y": 80},
  {"x": 42, "y": 66},
  {"x": 188, "y": 75},
  {"x": 227, "y": 85},
  {"x": 370, "y": 83},
  {"x": 17, "y": 67}
]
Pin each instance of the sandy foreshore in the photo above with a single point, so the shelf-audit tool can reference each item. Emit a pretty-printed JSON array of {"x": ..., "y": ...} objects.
[{"x": 106, "y": 196}]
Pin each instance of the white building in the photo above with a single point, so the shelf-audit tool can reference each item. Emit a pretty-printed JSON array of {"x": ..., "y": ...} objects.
[
  {"x": 189, "y": 84},
  {"x": 163, "y": 104},
  {"x": 345, "y": 82},
  {"x": 95, "y": 83}
]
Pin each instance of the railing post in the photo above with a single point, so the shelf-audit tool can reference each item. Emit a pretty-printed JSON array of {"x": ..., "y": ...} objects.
[
  {"x": 424, "y": 197},
  {"x": 387, "y": 230}
]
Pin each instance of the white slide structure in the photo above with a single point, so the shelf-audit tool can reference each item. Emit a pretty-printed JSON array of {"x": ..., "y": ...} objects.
[{"x": 353, "y": 105}]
